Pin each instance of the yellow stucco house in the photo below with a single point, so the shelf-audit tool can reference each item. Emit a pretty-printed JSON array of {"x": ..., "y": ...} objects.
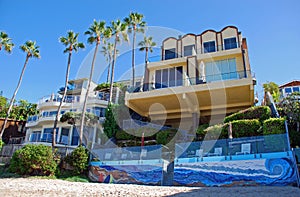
[{"x": 199, "y": 77}]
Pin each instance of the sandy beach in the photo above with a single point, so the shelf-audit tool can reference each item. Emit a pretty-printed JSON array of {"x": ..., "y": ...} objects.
[{"x": 47, "y": 187}]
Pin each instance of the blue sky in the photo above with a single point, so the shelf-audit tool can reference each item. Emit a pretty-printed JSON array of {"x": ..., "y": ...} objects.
[{"x": 272, "y": 29}]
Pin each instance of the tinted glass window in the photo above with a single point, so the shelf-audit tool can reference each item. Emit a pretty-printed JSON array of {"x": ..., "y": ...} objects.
[
  {"x": 230, "y": 43},
  {"x": 209, "y": 47}
]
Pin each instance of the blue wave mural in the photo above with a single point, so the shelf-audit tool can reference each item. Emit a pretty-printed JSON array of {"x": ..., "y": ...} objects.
[
  {"x": 277, "y": 171},
  {"x": 138, "y": 174}
]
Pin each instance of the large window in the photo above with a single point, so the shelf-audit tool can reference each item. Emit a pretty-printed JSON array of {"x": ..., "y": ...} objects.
[
  {"x": 221, "y": 70},
  {"x": 168, "y": 77},
  {"x": 47, "y": 135},
  {"x": 295, "y": 89},
  {"x": 75, "y": 137},
  {"x": 35, "y": 136},
  {"x": 170, "y": 54},
  {"x": 209, "y": 46},
  {"x": 64, "y": 136},
  {"x": 230, "y": 43},
  {"x": 189, "y": 50}
]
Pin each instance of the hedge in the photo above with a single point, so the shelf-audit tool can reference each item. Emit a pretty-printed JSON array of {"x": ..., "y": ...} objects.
[
  {"x": 34, "y": 160},
  {"x": 273, "y": 126},
  {"x": 123, "y": 135},
  {"x": 215, "y": 132},
  {"x": 165, "y": 136},
  {"x": 258, "y": 112},
  {"x": 244, "y": 128}
]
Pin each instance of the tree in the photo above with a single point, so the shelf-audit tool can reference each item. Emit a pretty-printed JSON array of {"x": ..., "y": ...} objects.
[
  {"x": 31, "y": 50},
  {"x": 6, "y": 42},
  {"x": 273, "y": 89},
  {"x": 23, "y": 110},
  {"x": 96, "y": 32},
  {"x": 110, "y": 125},
  {"x": 291, "y": 109},
  {"x": 107, "y": 51},
  {"x": 146, "y": 45},
  {"x": 117, "y": 28},
  {"x": 71, "y": 43},
  {"x": 136, "y": 24}
]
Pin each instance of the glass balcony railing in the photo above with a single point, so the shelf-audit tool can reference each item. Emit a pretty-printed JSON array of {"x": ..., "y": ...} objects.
[
  {"x": 193, "y": 52},
  {"x": 188, "y": 81}
]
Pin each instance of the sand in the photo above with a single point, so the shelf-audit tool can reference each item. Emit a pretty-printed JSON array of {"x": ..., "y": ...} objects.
[{"x": 47, "y": 187}]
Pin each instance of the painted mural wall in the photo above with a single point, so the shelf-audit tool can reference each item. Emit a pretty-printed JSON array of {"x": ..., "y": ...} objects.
[
  {"x": 274, "y": 171},
  {"x": 146, "y": 174}
]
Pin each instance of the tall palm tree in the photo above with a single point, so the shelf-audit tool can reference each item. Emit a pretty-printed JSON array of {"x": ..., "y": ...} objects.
[
  {"x": 136, "y": 24},
  {"x": 31, "y": 50},
  {"x": 107, "y": 51},
  {"x": 117, "y": 28},
  {"x": 6, "y": 42},
  {"x": 71, "y": 43},
  {"x": 146, "y": 45},
  {"x": 96, "y": 32}
]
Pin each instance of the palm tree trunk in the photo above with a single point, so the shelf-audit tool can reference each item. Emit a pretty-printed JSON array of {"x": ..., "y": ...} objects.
[
  {"x": 113, "y": 71},
  {"x": 61, "y": 101},
  {"x": 146, "y": 74},
  {"x": 14, "y": 96},
  {"x": 86, "y": 95},
  {"x": 108, "y": 69},
  {"x": 133, "y": 58}
]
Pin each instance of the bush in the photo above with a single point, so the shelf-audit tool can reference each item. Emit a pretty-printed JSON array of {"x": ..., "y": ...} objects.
[
  {"x": 201, "y": 131},
  {"x": 1, "y": 144},
  {"x": 215, "y": 132},
  {"x": 34, "y": 160},
  {"x": 274, "y": 126},
  {"x": 244, "y": 128},
  {"x": 78, "y": 159},
  {"x": 258, "y": 112},
  {"x": 294, "y": 138},
  {"x": 162, "y": 137},
  {"x": 123, "y": 135}
]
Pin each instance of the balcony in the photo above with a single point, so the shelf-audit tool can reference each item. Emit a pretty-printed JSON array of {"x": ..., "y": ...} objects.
[
  {"x": 201, "y": 53},
  {"x": 210, "y": 94}
]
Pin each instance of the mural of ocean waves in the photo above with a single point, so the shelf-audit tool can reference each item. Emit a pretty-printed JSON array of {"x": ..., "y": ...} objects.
[{"x": 242, "y": 172}]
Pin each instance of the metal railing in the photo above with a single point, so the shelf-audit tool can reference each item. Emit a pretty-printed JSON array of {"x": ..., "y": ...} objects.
[
  {"x": 201, "y": 50},
  {"x": 188, "y": 81}
]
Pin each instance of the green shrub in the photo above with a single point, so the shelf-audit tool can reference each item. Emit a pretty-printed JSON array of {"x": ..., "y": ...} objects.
[
  {"x": 244, "y": 128},
  {"x": 294, "y": 138},
  {"x": 273, "y": 126},
  {"x": 1, "y": 144},
  {"x": 78, "y": 159},
  {"x": 258, "y": 112},
  {"x": 201, "y": 131},
  {"x": 215, "y": 132},
  {"x": 162, "y": 137},
  {"x": 33, "y": 160},
  {"x": 123, "y": 135}
]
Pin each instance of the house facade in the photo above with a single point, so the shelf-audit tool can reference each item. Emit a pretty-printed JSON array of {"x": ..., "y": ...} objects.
[
  {"x": 199, "y": 77},
  {"x": 288, "y": 88},
  {"x": 40, "y": 127}
]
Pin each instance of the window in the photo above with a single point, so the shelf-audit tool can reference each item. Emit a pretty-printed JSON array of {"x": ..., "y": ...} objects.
[
  {"x": 221, "y": 70},
  {"x": 209, "y": 47},
  {"x": 288, "y": 90},
  {"x": 64, "y": 136},
  {"x": 170, "y": 54},
  {"x": 189, "y": 50},
  {"x": 168, "y": 77},
  {"x": 230, "y": 43},
  {"x": 75, "y": 137},
  {"x": 35, "y": 136},
  {"x": 295, "y": 89},
  {"x": 47, "y": 135}
]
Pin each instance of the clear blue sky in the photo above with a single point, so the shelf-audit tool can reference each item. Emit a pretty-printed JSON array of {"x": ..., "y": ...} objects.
[{"x": 272, "y": 29}]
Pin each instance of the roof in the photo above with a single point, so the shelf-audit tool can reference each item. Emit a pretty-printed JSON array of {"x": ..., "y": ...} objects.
[{"x": 289, "y": 84}]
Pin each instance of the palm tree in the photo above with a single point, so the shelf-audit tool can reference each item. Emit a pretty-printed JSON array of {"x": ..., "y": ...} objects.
[
  {"x": 96, "y": 32},
  {"x": 146, "y": 45},
  {"x": 136, "y": 24},
  {"x": 108, "y": 52},
  {"x": 117, "y": 28},
  {"x": 6, "y": 42},
  {"x": 31, "y": 50},
  {"x": 71, "y": 43}
]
